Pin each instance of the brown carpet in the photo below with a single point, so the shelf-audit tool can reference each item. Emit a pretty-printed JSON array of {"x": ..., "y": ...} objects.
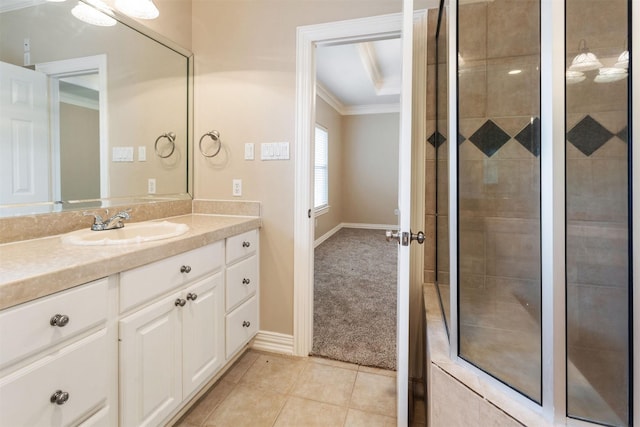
[{"x": 355, "y": 298}]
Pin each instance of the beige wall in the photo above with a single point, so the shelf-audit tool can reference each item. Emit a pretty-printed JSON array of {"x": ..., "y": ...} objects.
[
  {"x": 370, "y": 168},
  {"x": 329, "y": 118},
  {"x": 80, "y": 154},
  {"x": 363, "y": 168},
  {"x": 245, "y": 88}
]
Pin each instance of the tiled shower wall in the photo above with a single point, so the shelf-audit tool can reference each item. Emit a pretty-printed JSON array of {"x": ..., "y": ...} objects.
[
  {"x": 597, "y": 218},
  {"x": 499, "y": 190}
]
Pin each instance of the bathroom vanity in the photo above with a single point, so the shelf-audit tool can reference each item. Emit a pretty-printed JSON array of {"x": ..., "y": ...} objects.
[{"x": 124, "y": 334}]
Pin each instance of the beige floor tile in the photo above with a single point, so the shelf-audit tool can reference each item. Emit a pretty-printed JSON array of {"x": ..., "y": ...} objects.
[
  {"x": 336, "y": 363},
  {"x": 210, "y": 401},
  {"x": 356, "y": 418},
  {"x": 374, "y": 393},
  {"x": 247, "y": 406},
  {"x": 274, "y": 373},
  {"x": 325, "y": 383},
  {"x": 377, "y": 371},
  {"x": 241, "y": 366},
  {"x": 299, "y": 412}
]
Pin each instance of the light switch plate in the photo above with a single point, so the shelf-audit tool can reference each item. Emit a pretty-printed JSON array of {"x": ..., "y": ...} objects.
[{"x": 249, "y": 151}]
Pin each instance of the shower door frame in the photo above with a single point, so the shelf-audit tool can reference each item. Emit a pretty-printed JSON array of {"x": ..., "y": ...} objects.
[{"x": 552, "y": 212}]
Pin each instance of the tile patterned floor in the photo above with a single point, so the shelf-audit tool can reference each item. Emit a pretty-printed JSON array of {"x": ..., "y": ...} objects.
[{"x": 264, "y": 389}]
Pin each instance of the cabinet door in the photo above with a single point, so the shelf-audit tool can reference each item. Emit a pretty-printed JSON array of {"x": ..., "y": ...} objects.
[
  {"x": 151, "y": 363},
  {"x": 76, "y": 374},
  {"x": 203, "y": 332},
  {"x": 242, "y": 325},
  {"x": 242, "y": 281}
]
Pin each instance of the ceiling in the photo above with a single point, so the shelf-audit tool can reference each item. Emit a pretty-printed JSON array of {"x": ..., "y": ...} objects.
[{"x": 359, "y": 78}]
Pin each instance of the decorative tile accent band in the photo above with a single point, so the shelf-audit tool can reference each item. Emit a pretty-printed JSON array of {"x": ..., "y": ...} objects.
[{"x": 588, "y": 135}]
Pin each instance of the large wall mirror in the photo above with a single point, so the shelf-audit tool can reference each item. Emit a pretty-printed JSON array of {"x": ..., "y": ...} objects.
[{"x": 90, "y": 116}]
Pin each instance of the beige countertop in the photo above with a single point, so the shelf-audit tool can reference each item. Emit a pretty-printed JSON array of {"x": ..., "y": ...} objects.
[{"x": 35, "y": 268}]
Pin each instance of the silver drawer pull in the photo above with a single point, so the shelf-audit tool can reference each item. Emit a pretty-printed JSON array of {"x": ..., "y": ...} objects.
[
  {"x": 246, "y": 281},
  {"x": 59, "y": 320},
  {"x": 185, "y": 269},
  {"x": 192, "y": 296},
  {"x": 246, "y": 244},
  {"x": 246, "y": 324},
  {"x": 180, "y": 302},
  {"x": 59, "y": 397}
]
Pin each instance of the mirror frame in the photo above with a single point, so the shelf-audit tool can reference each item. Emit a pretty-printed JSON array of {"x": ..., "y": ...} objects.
[{"x": 69, "y": 206}]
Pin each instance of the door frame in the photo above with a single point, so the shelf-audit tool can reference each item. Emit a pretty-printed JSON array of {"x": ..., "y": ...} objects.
[
  {"x": 72, "y": 67},
  {"x": 371, "y": 28}
]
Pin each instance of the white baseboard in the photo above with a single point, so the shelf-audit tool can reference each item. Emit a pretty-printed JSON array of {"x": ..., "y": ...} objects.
[
  {"x": 369, "y": 226},
  {"x": 273, "y": 342},
  {"x": 326, "y": 235},
  {"x": 342, "y": 225}
]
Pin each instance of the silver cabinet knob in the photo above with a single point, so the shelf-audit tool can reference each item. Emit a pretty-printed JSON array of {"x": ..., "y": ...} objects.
[
  {"x": 185, "y": 269},
  {"x": 59, "y": 397},
  {"x": 246, "y": 281},
  {"x": 180, "y": 302},
  {"x": 59, "y": 320},
  {"x": 246, "y": 324},
  {"x": 246, "y": 244},
  {"x": 192, "y": 296}
]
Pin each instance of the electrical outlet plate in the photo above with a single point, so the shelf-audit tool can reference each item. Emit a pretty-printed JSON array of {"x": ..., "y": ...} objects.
[
  {"x": 237, "y": 187},
  {"x": 151, "y": 184}
]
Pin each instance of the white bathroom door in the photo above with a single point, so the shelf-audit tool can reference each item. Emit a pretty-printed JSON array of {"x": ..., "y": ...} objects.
[
  {"x": 404, "y": 215},
  {"x": 24, "y": 135}
]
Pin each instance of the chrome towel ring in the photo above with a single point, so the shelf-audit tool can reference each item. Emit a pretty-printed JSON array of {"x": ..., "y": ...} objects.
[
  {"x": 215, "y": 136},
  {"x": 172, "y": 140}
]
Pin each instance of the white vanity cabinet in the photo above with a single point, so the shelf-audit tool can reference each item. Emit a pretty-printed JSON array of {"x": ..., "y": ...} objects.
[
  {"x": 134, "y": 348},
  {"x": 57, "y": 359},
  {"x": 171, "y": 347}
]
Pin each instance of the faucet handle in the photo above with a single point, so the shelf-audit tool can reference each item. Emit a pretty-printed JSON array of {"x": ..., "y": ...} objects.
[{"x": 97, "y": 219}]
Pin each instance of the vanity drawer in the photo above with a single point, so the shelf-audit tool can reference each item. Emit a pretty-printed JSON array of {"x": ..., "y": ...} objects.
[
  {"x": 242, "y": 281},
  {"x": 241, "y": 245},
  {"x": 242, "y": 325},
  {"x": 27, "y": 328},
  {"x": 152, "y": 280},
  {"x": 79, "y": 369}
]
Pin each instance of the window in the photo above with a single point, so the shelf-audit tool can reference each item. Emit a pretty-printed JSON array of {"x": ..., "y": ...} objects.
[{"x": 321, "y": 170}]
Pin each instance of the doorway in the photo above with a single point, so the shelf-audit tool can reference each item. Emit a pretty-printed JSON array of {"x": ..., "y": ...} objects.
[
  {"x": 357, "y": 118},
  {"x": 412, "y": 173}
]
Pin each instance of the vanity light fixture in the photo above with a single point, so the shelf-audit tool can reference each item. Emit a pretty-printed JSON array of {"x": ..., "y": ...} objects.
[
  {"x": 623, "y": 60},
  {"x": 513, "y": 72},
  {"x": 573, "y": 77},
  {"x": 585, "y": 60},
  {"x": 613, "y": 74},
  {"x": 141, "y": 9},
  {"x": 92, "y": 13}
]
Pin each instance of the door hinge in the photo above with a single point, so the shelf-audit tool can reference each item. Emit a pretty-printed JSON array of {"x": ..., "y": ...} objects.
[{"x": 309, "y": 213}]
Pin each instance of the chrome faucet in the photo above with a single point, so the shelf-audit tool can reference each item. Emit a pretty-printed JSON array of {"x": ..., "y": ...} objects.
[{"x": 111, "y": 223}]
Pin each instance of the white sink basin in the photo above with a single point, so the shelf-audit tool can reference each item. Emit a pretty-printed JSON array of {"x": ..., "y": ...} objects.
[{"x": 131, "y": 233}]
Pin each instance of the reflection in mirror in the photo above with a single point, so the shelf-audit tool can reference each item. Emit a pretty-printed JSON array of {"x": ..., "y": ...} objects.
[{"x": 81, "y": 107}]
